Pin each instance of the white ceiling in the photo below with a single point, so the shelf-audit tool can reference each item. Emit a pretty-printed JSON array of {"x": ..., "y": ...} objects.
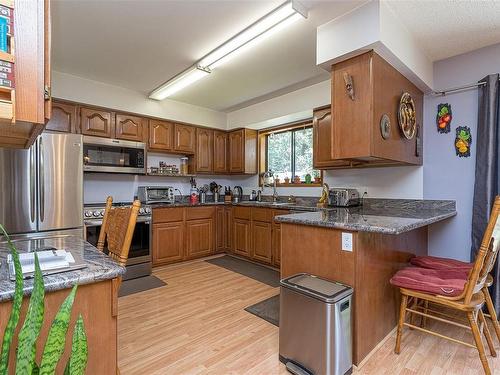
[
  {"x": 445, "y": 28},
  {"x": 141, "y": 44}
]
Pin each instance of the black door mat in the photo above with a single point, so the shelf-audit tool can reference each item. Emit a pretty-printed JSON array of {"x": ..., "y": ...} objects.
[
  {"x": 254, "y": 271},
  {"x": 141, "y": 284},
  {"x": 269, "y": 310}
]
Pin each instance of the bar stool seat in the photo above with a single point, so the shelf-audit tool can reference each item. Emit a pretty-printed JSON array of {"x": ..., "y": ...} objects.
[
  {"x": 438, "y": 263},
  {"x": 461, "y": 289},
  {"x": 439, "y": 282}
]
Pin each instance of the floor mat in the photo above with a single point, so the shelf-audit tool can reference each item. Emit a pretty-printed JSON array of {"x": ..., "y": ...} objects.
[
  {"x": 140, "y": 284},
  {"x": 269, "y": 310},
  {"x": 257, "y": 272}
]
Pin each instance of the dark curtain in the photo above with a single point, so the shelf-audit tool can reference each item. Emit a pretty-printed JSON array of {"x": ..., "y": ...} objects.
[{"x": 487, "y": 168}]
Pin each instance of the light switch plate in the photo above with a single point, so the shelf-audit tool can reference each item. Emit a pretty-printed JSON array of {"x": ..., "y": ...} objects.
[{"x": 346, "y": 241}]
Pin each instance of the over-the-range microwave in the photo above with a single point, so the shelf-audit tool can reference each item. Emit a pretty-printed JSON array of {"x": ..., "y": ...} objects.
[{"x": 113, "y": 155}]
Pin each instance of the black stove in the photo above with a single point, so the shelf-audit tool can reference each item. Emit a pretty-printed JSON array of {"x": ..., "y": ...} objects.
[{"x": 139, "y": 258}]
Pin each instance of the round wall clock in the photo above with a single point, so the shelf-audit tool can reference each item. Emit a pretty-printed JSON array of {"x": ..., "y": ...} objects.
[
  {"x": 385, "y": 126},
  {"x": 407, "y": 116}
]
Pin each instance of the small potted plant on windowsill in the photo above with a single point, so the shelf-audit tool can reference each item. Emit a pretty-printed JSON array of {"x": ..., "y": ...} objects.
[
  {"x": 287, "y": 180},
  {"x": 296, "y": 180},
  {"x": 317, "y": 177}
]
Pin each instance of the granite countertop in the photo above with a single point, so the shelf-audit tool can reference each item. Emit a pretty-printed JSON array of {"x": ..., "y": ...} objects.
[
  {"x": 379, "y": 216},
  {"x": 100, "y": 267},
  {"x": 284, "y": 205}
]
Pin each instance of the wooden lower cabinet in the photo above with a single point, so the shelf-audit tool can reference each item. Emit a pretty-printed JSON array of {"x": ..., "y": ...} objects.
[
  {"x": 194, "y": 232},
  {"x": 262, "y": 241},
  {"x": 199, "y": 238},
  {"x": 228, "y": 234},
  {"x": 168, "y": 242},
  {"x": 242, "y": 237},
  {"x": 220, "y": 231},
  {"x": 276, "y": 245}
]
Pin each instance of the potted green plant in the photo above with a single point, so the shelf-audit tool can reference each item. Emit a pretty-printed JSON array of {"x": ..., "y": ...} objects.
[
  {"x": 25, "y": 362},
  {"x": 317, "y": 176}
]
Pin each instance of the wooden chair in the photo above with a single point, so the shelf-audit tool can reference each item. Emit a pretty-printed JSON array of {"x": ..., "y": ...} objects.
[
  {"x": 117, "y": 229},
  {"x": 469, "y": 302}
]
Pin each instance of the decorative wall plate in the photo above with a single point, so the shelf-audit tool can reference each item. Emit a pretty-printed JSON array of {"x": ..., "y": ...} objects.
[
  {"x": 385, "y": 126},
  {"x": 407, "y": 116}
]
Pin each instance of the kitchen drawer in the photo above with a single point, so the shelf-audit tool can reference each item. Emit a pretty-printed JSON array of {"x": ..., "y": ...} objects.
[
  {"x": 262, "y": 214},
  {"x": 243, "y": 213},
  {"x": 168, "y": 215},
  {"x": 196, "y": 213}
]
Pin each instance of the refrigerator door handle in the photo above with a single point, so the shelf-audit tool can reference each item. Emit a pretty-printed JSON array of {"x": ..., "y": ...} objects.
[
  {"x": 41, "y": 179},
  {"x": 32, "y": 184}
]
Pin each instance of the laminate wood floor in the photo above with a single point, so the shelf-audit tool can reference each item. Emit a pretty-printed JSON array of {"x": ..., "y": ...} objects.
[{"x": 196, "y": 324}]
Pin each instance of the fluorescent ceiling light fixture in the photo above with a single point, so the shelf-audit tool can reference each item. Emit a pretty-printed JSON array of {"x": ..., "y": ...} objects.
[
  {"x": 287, "y": 11},
  {"x": 274, "y": 21},
  {"x": 180, "y": 81}
]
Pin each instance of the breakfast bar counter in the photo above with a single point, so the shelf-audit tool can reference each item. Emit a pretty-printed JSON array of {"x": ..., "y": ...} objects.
[
  {"x": 362, "y": 247},
  {"x": 96, "y": 299}
]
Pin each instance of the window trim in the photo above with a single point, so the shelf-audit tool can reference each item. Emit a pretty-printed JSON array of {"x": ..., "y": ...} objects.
[{"x": 263, "y": 154}]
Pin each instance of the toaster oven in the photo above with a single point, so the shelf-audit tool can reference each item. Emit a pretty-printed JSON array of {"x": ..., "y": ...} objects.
[{"x": 156, "y": 194}]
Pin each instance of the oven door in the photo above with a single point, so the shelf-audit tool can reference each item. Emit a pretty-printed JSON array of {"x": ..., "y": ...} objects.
[
  {"x": 140, "y": 246},
  {"x": 113, "y": 155}
]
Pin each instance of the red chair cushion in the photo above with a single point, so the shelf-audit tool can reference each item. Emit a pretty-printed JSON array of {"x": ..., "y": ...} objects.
[
  {"x": 436, "y": 263},
  {"x": 448, "y": 283}
]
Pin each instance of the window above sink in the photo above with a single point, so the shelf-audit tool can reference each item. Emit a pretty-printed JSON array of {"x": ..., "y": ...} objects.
[{"x": 287, "y": 151}]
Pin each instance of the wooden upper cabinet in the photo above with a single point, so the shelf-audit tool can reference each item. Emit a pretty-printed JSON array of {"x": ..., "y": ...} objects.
[
  {"x": 130, "y": 128},
  {"x": 243, "y": 151},
  {"x": 161, "y": 135},
  {"x": 356, "y": 133},
  {"x": 31, "y": 108},
  {"x": 184, "y": 138},
  {"x": 95, "y": 122},
  {"x": 64, "y": 117},
  {"x": 204, "y": 150},
  {"x": 220, "y": 151},
  {"x": 322, "y": 139}
]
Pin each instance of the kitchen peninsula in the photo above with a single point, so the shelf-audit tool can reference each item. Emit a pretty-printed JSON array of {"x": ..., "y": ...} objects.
[
  {"x": 361, "y": 247},
  {"x": 96, "y": 299}
]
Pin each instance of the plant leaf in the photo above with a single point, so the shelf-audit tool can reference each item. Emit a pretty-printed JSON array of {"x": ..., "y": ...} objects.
[
  {"x": 79, "y": 350},
  {"x": 36, "y": 369},
  {"x": 54, "y": 346},
  {"x": 16, "y": 306},
  {"x": 28, "y": 335}
]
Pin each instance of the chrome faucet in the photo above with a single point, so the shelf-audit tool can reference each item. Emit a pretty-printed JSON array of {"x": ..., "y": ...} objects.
[{"x": 275, "y": 192}]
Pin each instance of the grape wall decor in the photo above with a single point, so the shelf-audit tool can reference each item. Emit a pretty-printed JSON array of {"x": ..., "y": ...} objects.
[{"x": 443, "y": 118}]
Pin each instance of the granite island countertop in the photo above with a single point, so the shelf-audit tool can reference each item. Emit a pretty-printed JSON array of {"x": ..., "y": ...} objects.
[
  {"x": 100, "y": 267},
  {"x": 390, "y": 216}
]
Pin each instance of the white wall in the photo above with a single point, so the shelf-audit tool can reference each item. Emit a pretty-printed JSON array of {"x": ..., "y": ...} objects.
[
  {"x": 294, "y": 106},
  {"x": 70, "y": 87}
]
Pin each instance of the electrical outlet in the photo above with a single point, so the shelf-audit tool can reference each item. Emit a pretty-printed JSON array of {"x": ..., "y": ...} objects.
[{"x": 346, "y": 241}]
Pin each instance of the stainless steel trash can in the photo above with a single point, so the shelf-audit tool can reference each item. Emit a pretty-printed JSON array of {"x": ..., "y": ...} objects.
[{"x": 315, "y": 334}]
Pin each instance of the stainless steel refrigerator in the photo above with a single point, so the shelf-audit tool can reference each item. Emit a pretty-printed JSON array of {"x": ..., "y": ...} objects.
[{"x": 42, "y": 187}]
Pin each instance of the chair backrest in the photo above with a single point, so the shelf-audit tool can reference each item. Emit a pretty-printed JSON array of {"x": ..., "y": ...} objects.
[
  {"x": 117, "y": 229},
  {"x": 486, "y": 255}
]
